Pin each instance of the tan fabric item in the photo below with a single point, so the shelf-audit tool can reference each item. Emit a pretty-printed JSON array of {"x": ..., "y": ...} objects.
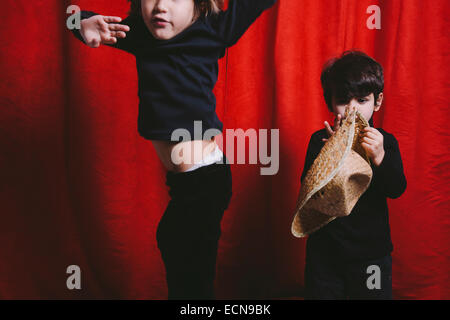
[{"x": 340, "y": 174}]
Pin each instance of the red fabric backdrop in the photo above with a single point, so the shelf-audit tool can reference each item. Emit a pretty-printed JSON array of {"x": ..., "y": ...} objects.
[{"x": 80, "y": 187}]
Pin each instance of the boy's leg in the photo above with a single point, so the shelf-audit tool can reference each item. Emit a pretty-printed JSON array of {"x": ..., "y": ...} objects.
[
  {"x": 189, "y": 230},
  {"x": 189, "y": 254},
  {"x": 324, "y": 279},
  {"x": 370, "y": 279}
]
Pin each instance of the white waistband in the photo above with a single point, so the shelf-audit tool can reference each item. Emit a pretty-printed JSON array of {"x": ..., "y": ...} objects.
[{"x": 211, "y": 158}]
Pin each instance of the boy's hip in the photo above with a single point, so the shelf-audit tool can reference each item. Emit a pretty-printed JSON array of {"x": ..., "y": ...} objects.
[{"x": 208, "y": 183}]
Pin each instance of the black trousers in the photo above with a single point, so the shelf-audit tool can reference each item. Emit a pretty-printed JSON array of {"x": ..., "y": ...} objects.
[
  {"x": 189, "y": 230},
  {"x": 328, "y": 277}
]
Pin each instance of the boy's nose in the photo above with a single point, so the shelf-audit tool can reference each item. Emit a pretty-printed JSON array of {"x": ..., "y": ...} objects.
[
  {"x": 352, "y": 106},
  {"x": 160, "y": 5}
]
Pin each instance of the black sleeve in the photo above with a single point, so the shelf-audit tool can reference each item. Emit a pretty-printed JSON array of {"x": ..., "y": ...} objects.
[
  {"x": 239, "y": 16},
  {"x": 314, "y": 147},
  {"x": 127, "y": 44},
  {"x": 389, "y": 174}
]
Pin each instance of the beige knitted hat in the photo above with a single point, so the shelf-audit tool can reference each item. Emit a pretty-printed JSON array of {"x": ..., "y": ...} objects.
[{"x": 340, "y": 174}]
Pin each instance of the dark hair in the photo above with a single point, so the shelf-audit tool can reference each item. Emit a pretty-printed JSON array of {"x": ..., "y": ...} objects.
[
  {"x": 352, "y": 75},
  {"x": 202, "y": 7}
]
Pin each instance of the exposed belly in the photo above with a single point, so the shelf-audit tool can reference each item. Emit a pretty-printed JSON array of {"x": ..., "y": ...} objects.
[{"x": 180, "y": 156}]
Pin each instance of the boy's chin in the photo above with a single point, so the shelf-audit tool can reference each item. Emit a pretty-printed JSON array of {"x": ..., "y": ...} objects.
[{"x": 162, "y": 35}]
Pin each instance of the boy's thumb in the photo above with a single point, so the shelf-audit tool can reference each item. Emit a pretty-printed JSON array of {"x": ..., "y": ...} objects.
[{"x": 95, "y": 43}]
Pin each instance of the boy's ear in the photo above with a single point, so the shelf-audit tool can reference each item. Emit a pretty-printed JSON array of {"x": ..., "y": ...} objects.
[{"x": 378, "y": 102}]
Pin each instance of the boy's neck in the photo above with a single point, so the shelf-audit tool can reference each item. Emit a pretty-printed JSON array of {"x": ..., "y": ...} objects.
[{"x": 371, "y": 122}]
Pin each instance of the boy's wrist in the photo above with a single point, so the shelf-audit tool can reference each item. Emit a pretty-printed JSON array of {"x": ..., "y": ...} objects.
[
  {"x": 83, "y": 29},
  {"x": 379, "y": 158}
]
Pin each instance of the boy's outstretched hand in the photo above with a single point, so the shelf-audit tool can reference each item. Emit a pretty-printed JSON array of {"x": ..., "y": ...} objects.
[
  {"x": 331, "y": 131},
  {"x": 100, "y": 29},
  {"x": 337, "y": 123}
]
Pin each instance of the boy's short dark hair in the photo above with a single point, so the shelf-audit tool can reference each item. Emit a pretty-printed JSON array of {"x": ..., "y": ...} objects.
[
  {"x": 202, "y": 7},
  {"x": 352, "y": 75}
]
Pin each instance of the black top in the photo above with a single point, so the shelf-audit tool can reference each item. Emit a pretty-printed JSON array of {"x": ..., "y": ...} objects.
[
  {"x": 365, "y": 233},
  {"x": 177, "y": 76}
]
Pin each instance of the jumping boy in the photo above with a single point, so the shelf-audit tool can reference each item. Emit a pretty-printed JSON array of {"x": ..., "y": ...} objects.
[
  {"x": 341, "y": 256},
  {"x": 177, "y": 45}
]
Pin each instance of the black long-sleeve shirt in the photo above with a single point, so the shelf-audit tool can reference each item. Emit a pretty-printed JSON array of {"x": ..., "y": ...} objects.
[
  {"x": 177, "y": 76},
  {"x": 365, "y": 233}
]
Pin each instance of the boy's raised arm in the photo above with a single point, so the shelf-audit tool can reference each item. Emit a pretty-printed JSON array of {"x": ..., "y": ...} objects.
[
  {"x": 239, "y": 16},
  {"x": 107, "y": 30},
  {"x": 390, "y": 172}
]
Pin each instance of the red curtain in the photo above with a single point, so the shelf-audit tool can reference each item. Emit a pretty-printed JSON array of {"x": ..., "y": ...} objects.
[{"x": 78, "y": 186}]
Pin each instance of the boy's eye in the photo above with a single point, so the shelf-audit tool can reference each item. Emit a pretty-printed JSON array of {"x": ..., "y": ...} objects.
[{"x": 361, "y": 100}]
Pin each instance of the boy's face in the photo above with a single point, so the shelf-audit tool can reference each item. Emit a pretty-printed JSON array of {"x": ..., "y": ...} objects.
[
  {"x": 167, "y": 18},
  {"x": 366, "y": 106}
]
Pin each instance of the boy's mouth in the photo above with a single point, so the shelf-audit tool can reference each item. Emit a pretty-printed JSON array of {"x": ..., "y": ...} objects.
[{"x": 159, "y": 22}]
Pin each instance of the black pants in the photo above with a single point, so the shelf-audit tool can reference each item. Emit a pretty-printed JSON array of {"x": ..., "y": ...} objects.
[
  {"x": 328, "y": 277},
  {"x": 189, "y": 230}
]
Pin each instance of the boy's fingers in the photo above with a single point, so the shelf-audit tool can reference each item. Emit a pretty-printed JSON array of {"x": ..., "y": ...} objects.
[
  {"x": 370, "y": 135},
  {"x": 119, "y": 27},
  {"x": 372, "y": 131},
  {"x": 337, "y": 122},
  {"x": 328, "y": 128},
  {"x": 110, "y": 40},
  {"x": 368, "y": 140},
  {"x": 121, "y": 34},
  {"x": 367, "y": 147},
  {"x": 112, "y": 19},
  {"x": 118, "y": 34}
]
